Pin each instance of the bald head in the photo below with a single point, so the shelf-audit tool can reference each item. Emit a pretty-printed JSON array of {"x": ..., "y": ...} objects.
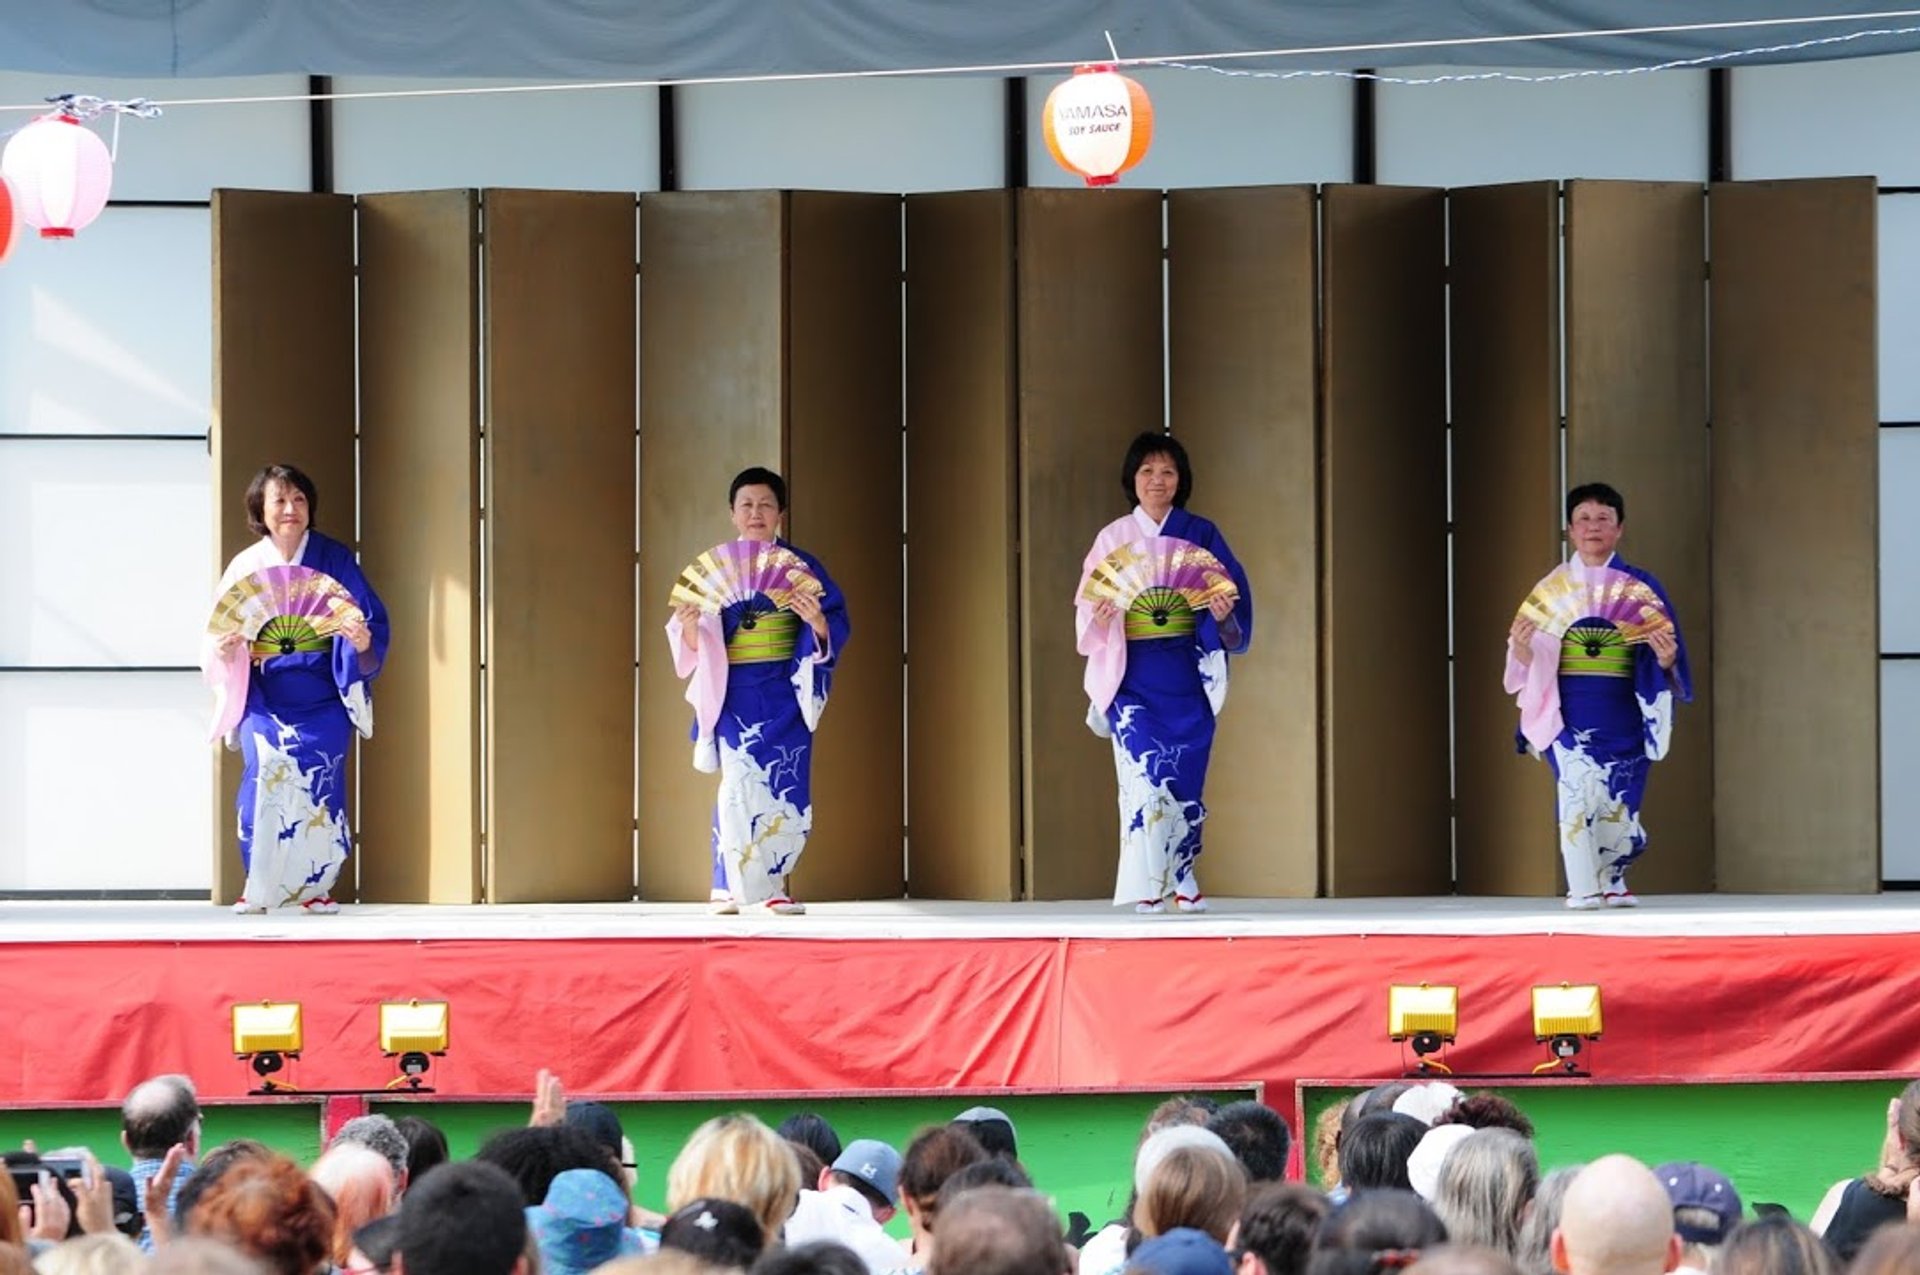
[
  {"x": 1616, "y": 1220},
  {"x": 158, "y": 1114}
]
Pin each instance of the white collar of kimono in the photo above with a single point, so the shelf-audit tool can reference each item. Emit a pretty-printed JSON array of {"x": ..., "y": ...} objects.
[
  {"x": 1575, "y": 560},
  {"x": 299, "y": 552},
  {"x": 1148, "y": 525}
]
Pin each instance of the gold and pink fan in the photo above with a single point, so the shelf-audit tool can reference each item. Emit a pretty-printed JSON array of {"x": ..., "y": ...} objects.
[
  {"x": 282, "y": 610},
  {"x": 1158, "y": 574},
  {"x": 1625, "y": 601},
  {"x": 741, "y": 570}
]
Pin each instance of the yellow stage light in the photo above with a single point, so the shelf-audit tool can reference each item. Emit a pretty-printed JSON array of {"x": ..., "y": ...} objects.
[
  {"x": 413, "y": 1029},
  {"x": 270, "y": 1027},
  {"x": 1563, "y": 1016},
  {"x": 1426, "y": 1017}
]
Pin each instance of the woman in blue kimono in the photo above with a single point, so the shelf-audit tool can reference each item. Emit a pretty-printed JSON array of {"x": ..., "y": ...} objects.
[
  {"x": 293, "y": 716},
  {"x": 1155, "y": 687},
  {"x": 1598, "y": 709},
  {"x": 758, "y": 681}
]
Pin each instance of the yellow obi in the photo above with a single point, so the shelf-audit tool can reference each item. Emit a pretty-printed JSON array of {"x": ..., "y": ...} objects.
[
  {"x": 1159, "y": 613},
  {"x": 1595, "y": 650},
  {"x": 764, "y": 637}
]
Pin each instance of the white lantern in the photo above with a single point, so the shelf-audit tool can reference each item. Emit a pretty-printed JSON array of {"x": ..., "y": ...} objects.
[
  {"x": 60, "y": 172},
  {"x": 1098, "y": 124}
]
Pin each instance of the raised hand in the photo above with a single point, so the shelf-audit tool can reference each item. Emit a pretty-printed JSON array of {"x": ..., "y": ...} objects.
[
  {"x": 1666, "y": 648},
  {"x": 807, "y": 607},
  {"x": 1520, "y": 639}
]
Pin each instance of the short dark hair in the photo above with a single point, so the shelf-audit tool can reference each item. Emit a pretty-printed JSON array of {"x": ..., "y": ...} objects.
[
  {"x": 426, "y": 1147},
  {"x": 379, "y": 1239},
  {"x": 1151, "y": 444},
  {"x": 758, "y": 476},
  {"x": 1374, "y": 1152},
  {"x": 873, "y": 1197},
  {"x": 1487, "y": 1110},
  {"x": 157, "y": 1115},
  {"x": 1277, "y": 1225},
  {"x": 1257, "y": 1136},
  {"x": 257, "y": 496},
  {"x": 1599, "y": 493},
  {"x": 932, "y": 1157},
  {"x": 718, "y": 1232},
  {"x": 992, "y": 1171},
  {"x": 998, "y": 1231},
  {"x": 1375, "y": 1231},
  {"x": 804, "y": 1127},
  {"x": 465, "y": 1219},
  {"x": 822, "y": 1257},
  {"x": 533, "y": 1157}
]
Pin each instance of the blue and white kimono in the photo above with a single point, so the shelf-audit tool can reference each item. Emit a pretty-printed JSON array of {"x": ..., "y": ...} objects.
[
  {"x": 1156, "y": 697},
  {"x": 294, "y": 729},
  {"x": 759, "y": 682},
  {"x": 1600, "y": 711}
]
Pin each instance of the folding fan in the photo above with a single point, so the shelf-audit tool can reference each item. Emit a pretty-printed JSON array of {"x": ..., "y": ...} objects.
[
  {"x": 1625, "y": 601},
  {"x": 281, "y": 610},
  {"x": 742, "y": 570},
  {"x": 1157, "y": 575}
]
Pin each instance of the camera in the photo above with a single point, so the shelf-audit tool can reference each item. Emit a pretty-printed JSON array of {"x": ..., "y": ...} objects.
[{"x": 26, "y": 1169}]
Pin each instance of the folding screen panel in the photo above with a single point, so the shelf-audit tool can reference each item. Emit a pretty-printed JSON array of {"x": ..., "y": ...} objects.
[
  {"x": 1383, "y": 532},
  {"x": 712, "y": 403},
  {"x": 420, "y": 523},
  {"x": 1242, "y": 354},
  {"x": 1504, "y": 246},
  {"x": 559, "y": 614},
  {"x": 963, "y": 623},
  {"x": 282, "y": 392},
  {"x": 1637, "y": 418},
  {"x": 771, "y": 337},
  {"x": 844, "y": 468},
  {"x": 1088, "y": 304},
  {"x": 1795, "y": 598}
]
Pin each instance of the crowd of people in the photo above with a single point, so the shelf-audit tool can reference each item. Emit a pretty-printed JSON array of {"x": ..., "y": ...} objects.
[{"x": 1413, "y": 1177}]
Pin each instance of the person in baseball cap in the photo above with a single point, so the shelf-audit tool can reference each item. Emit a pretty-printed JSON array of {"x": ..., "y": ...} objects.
[
  {"x": 1706, "y": 1208},
  {"x": 856, "y": 1196}
]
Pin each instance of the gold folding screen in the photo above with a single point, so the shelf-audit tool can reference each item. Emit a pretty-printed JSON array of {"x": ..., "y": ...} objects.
[
  {"x": 1088, "y": 298},
  {"x": 1796, "y": 694},
  {"x": 1504, "y": 268},
  {"x": 559, "y": 605},
  {"x": 420, "y": 521},
  {"x": 282, "y": 392},
  {"x": 1241, "y": 354},
  {"x": 963, "y": 618},
  {"x": 772, "y": 338},
  {"x": 1383, "y": 532},
  {"x": 1637, "y": 418}
]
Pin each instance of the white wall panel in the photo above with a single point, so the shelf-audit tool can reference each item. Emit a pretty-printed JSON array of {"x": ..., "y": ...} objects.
[
  {"x": 1900, "y": 770},
  {"x": 104, "y": 782},
  {"x": 190, "y": 150},
  {"x": 1899, "y": 565},
  {"x": 110, "y": 332},
  {"x": 106, "y": 552},
  {"x": 1900, "y": 306},
  {"x": 1219, "y": 130},
  {"x": 1853, "y": 117},
  {"x": 600, "y": 139},
  {"x": 884, "y": 135},
  {"x": 1643, "y": 127}
]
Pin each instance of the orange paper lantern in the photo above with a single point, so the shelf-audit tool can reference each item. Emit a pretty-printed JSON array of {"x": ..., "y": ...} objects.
[
  {"x": 9, "y": 220},
  {"x": 1098, "y": 124}
]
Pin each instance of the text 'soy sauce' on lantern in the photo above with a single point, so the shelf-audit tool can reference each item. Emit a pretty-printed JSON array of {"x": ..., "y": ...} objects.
[{"x": 1098, "y": 124}]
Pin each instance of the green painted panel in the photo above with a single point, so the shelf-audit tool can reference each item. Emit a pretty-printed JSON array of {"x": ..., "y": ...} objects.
[
  {"x": 292, "y": 1126},
  {"x": 1078, "y": 1147},
  {"x": 1781, "y": 1143}
]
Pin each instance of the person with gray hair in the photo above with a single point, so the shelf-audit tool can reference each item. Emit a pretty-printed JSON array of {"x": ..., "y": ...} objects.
[
  {"x": 382, "y": 1136},
  {"x": 1484, "y": 1188},
  {"x": 1536, "y": 1233},
  {"x": 158, "y": 1115},
  {"x": 997, "y": 1231},
  {"x": 1616, "y": 1220}
]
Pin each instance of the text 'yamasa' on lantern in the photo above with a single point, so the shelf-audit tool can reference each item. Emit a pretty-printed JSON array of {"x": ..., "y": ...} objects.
[{"x": 1098, "y": 124}]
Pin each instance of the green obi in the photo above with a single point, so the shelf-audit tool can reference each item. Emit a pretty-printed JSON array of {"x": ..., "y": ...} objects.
[
  {"x": 1159, "y": 613},
  {"x": 1595, "y": 651},
  {"x": 764, "y": 637}
]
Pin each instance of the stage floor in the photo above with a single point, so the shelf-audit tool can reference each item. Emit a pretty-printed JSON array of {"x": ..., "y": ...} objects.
[{"x": 1681, "y": 916}]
